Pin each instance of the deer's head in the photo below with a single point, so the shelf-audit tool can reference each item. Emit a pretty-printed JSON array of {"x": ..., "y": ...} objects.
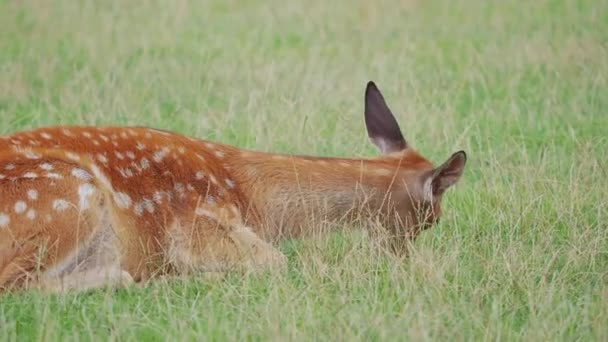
[{"x": 413, "y": 202}]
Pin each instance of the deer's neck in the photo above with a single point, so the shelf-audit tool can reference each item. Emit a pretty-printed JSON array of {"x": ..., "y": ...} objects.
[{"x": 292, "y": 195}]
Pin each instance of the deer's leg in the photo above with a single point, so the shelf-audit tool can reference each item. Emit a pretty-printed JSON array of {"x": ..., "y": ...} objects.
[
  {"x": 92, "y": 278},
  {"x": 57, "y": 232},
  {"x": 252, "y": 252},
  {"x": 95, "y": 262},
  {"x": 218, "y": 241}
]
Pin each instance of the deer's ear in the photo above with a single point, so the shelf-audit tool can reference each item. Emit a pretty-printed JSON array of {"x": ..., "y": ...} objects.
[
  {"x": 448, "y": 173},
  {"x": 382, "y": 128}
]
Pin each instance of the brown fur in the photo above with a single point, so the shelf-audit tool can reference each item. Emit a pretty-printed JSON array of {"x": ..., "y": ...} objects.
[{"x": 83, "y": 207}]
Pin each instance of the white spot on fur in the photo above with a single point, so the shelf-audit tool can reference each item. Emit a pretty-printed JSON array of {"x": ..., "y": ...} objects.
[
  {"x": 200, "y": 157},
  {"x": 46, "y": 136},
  {"x": 145, "y": 204},
  {"x": 160, "y": 155},
  {"x": 102, "y": 159},
  {"x": 31, "y": 214},
  {"x": 119, "y": 155},
  {"x": 9, "y": 167},
  {"x": 125, "y": 172},
  {"x": 20, "y": 207},
  {"x": 60, "y": 204},
  {"x": 122, "y": 200},
  {"x": 84, "y": 192},
  {"x": 54, "y": 175},
  {"x": 2, "y": 176},
  {"x": 144, "y": 163},
  {"x": 213, "y": 179},
  {"x": 181, "y": 150},
  {"x": 158, "y": 197},
  {"x": 32, "y": 155},
  {"x": 4, "y": 220},
  {"x": 72, "y": 156},
  {"x": 131, "y": 155},
  {"x": 30, "y": 175},
  {"x": 140, "y": 146},
  {"x": 32, "y": 194},
  {"x": 46, "y": 166},
  {"x": 229, "y": 183},
  {"x": 67, "y": 132},
  {"x": 136, "y": 167},
  {"x": 87, "y": 134},
  {"x": 200, "y": 175},
  {"x": 220, "y": 154},
  {"x": 81, "y": 174}
]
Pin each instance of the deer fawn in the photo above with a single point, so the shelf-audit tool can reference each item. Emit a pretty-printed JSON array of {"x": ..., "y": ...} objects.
[{"x": 85, "y": 207}]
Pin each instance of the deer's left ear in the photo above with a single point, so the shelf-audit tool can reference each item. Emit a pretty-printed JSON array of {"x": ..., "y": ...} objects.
[
  {"x": 382, "y": 127},
  {"x": 448, "y": 173}
]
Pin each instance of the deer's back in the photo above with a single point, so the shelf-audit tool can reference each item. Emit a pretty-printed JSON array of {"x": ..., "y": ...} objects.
[{"x": 152, "y": 178}]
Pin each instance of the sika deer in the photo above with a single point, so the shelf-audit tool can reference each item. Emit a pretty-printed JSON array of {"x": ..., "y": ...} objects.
[{"x": 84, "y": 207}]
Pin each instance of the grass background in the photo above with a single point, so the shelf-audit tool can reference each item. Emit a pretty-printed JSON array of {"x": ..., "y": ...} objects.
[{"x": 522, "y": 249}]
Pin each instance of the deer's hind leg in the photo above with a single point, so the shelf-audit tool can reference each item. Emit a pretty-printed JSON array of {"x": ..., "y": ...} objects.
[
  {"x": 217, "y": 240},
  {"x": 95, "y": 264},
  {"x": 56, "y": 233}
]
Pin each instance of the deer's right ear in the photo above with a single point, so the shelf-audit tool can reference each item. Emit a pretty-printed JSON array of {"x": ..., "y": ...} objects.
[
  {"x": 382, "y": 127},
  {"x": 448, "y": 173}
]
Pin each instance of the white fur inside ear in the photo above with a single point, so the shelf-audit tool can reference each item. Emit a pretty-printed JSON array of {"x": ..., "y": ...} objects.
[
  {"x": 381, "y": 144},
  {"x": 427, "y": 189},
  {"x": 386, "y": 146}
]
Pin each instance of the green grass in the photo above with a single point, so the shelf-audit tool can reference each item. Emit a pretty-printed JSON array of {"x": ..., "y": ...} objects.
[{"x": 522, "y": 248}]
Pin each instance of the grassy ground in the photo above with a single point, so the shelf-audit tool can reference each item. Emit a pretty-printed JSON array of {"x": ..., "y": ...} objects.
[{"x": 522, "y": 249}]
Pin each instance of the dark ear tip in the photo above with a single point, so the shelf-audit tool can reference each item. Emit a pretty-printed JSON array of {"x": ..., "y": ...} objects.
[
  {"x": 371, "y": 86},
  {"x": 463, "y": 155}
]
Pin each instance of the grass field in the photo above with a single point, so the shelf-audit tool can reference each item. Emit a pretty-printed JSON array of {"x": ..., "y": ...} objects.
[{"x": 522, "y": 248}]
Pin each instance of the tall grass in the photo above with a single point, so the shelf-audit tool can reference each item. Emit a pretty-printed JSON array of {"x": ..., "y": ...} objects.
[{"x": 522, "y": 248}]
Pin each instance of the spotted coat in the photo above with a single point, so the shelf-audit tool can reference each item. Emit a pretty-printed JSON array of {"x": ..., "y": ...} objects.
[{"x": 84, "y": 207}]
